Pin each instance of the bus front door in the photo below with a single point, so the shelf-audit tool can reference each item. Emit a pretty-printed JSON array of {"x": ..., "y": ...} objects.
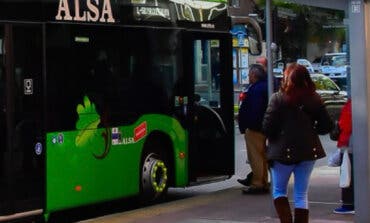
[
  {"x": 212, "y": 137},
  {"x": 21, "y": 142}
]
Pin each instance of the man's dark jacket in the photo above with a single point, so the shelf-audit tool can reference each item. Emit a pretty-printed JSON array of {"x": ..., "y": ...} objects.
[{"x": 253, "y": 107}]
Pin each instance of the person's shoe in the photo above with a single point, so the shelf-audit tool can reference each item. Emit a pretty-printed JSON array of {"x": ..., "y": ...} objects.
[
  {"x": 244, "y": 182},
  {"x": 255, "y": 190},
  {"x": 247, "y": 181},
  {"x": 344, "y": 210}
]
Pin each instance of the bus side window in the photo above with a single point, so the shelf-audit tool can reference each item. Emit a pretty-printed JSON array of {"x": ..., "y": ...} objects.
[{"x": 207, "y": 71}]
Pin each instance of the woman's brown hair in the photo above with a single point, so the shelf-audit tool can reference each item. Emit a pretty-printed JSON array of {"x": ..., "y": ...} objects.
[{"x": 297, "y": 83}]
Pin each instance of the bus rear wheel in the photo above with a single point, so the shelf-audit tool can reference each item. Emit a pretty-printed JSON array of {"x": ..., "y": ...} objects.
[{"x": 154, "y": 177}]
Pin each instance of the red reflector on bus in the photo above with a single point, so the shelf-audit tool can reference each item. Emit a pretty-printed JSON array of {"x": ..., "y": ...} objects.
[
  {"x": 181, "y": 155},
  {"x": 78, "y": 188}
]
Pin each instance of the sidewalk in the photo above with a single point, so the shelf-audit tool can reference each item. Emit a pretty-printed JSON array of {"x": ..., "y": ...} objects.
[{"x": 231, "y": 206}]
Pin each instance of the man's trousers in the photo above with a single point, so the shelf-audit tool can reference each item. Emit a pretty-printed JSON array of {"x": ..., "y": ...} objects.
[{"x": 256, "y": 152}]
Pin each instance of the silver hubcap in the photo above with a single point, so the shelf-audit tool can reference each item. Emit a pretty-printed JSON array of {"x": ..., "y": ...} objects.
[{"x": 154, "y": 175}]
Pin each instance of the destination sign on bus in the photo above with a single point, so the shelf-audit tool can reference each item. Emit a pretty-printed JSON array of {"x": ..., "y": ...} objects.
[
  {"x": 85, "y": 11},
  {"x": 152, "y": 12}
]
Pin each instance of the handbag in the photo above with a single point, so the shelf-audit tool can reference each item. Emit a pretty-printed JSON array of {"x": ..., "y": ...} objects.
[
  {"x": 345, "y": 171},
  {"x": 334, "y": 134},
  {"x": 335, "y": 159}
]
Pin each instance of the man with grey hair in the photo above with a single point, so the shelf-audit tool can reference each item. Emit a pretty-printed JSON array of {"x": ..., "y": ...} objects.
[
  {"x": 263, "y": 61},
  {"x": 251, "y": 112}
]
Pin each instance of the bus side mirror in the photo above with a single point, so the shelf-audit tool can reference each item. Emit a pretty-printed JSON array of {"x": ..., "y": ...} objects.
[
  {"x": 254, "y": 47},
  {"x": 254, "y": 37}
]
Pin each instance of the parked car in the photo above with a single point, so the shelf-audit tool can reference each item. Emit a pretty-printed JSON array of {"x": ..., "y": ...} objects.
[
  {"x": 334, "y": 65},
  {"x": 316, "y": 63},
  {"x": 334, "y": 98},
  {"x": 307, "y": 64},
  {"x": 278, "y": 67}
]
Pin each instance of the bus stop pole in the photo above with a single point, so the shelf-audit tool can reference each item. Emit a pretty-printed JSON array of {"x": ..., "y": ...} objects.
[
  {"x": 270, "y": 75},
  {"x": 359, "y": 12}
]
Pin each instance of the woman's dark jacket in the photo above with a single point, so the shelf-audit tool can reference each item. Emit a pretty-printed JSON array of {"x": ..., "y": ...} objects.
[
  {"x": 292, "y": 130},
  {"x": 253, "y": 107}
]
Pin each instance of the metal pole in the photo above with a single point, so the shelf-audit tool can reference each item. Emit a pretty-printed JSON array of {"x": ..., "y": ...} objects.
[
  {"x": 270, "y": 76},
  {"x": 359, "y": 12}
]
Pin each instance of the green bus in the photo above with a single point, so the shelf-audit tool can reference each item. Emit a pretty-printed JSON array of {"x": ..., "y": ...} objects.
[{"x": 101, "y": 100}]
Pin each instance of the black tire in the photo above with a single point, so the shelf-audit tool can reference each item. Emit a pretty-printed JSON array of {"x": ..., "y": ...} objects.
[{"x": 154, "y": 177}]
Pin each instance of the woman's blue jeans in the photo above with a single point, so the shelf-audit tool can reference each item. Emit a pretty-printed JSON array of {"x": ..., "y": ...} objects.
[{"x": 280, "y": 174}]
